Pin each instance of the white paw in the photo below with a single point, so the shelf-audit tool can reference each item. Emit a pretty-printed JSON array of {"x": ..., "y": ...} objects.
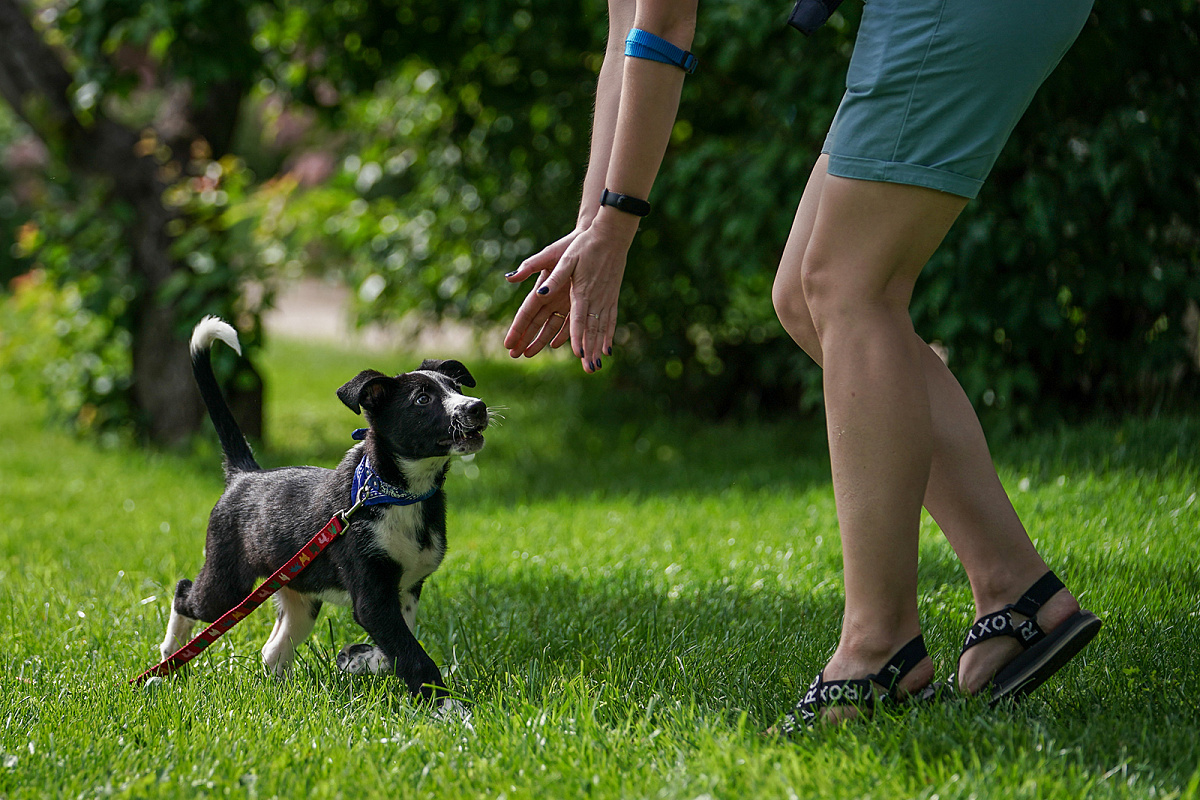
[
  {"x": 452, "y": 710},
  {"x": 363, "y": 659},
  {"x": 278, "y": 661}
]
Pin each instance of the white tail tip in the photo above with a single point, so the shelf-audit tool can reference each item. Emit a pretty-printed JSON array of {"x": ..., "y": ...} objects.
[{"x": 209, "y": 330}]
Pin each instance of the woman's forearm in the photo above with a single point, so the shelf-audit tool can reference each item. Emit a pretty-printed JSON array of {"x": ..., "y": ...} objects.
[
  {"x": 649, "y": 102},
  {"x": 608, "y": 101}
]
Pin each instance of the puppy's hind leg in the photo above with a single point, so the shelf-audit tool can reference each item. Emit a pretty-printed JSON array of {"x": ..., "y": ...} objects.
[
  {"x": 296, "y": 615},
  {"x": 179, "y": 626}
]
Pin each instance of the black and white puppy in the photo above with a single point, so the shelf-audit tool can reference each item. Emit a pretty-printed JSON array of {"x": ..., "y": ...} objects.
[{"x": 417, "y": 421}]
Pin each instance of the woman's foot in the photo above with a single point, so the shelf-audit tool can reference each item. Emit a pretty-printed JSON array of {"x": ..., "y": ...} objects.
[
  {"x": 855, "y": 679},
  {"x": 1008, "y": 655}
]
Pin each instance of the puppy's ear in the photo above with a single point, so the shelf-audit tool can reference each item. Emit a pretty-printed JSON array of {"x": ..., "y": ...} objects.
[
  {"x": 453, "y": 370},
  {"x": 366, "y": 389}
]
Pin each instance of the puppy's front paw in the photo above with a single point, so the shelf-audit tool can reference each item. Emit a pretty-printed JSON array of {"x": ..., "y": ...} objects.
[
  {"x": 425, "y": 681},
  {"x": 363, "y": 659}
]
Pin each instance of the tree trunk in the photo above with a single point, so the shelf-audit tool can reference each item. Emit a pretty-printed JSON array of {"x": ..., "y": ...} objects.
[{"x": 35, "y": 83}]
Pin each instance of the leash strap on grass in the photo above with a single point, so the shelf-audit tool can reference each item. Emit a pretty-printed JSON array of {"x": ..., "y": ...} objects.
[{"x": 281, "y": 577}]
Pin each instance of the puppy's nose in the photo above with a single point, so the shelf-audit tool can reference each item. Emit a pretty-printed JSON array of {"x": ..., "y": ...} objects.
[{"x": 477, "y": 413}]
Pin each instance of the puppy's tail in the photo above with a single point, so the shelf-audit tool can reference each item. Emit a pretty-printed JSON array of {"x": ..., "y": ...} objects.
[{"x": 238, "y": 457}]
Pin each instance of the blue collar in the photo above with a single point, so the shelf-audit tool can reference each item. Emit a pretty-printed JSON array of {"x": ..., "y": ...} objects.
[{"x": 371, "y": 490}]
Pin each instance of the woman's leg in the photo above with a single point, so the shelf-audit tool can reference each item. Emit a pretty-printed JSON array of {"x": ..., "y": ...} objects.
[
  {"x": 963, "y": 493},
  {"x": 868, "y": 245}
]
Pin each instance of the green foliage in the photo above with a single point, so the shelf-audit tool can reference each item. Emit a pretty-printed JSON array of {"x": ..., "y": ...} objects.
[
  {"x": 1062, "y": 290},
  {"x": 131, "y": 60},
  {"x": 460, "y": 131},
  {"x": 415, "y": 215},
  {"x": 12, "y": 215},
  {"x": 69, "y": 322},
  {"x": 62, "y": 346},
  {"x": 456, "y": 162},
  {"x": 203, "y": 41},
  {"x": 65, "y": 339},
  {"x": 1066, "y": 287},
  {"x": 700, "y": 320},
  {"x": 218, "y": 235}
]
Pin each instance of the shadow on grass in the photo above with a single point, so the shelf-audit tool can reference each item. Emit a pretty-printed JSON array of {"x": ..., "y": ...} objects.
[
  {"x": 522, "y": 638},
  {"x": 1133, "y": 445}
]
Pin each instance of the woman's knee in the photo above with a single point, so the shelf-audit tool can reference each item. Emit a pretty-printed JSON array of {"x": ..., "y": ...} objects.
[
  {"x": 837, "y": 293},
  {"x": 792, "y": 310}
]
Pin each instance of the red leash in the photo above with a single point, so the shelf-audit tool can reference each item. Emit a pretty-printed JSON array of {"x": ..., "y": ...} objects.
[{"x": 281, "y": 577}]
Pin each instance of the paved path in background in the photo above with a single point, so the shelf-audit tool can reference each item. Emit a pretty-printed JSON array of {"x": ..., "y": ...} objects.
[{"x": 319, "y": 311}]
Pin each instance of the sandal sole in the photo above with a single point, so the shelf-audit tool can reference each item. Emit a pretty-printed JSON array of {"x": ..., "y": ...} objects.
[{"x": 1035, "y": 666}]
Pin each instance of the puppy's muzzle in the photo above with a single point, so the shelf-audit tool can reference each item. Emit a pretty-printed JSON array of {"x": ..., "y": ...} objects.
[{"x": 466, "y": 428}]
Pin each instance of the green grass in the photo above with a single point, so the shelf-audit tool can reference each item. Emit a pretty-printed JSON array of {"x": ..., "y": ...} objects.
[{"x": 628, "y": 601}]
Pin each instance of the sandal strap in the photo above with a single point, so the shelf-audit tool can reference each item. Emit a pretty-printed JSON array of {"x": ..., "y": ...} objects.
[
  {"x": 822, "y": 694},
  {"x": 857, "y": 692},
  {"x": 1036, "y": 596},
  {"x": 1000, "y": 623},
  {"x": 901, "y": 664}
]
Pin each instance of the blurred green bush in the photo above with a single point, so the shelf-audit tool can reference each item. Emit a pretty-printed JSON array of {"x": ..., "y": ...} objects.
[
  {"x": 1062, "y": 291},
  {"x": 458, "y": 135}
]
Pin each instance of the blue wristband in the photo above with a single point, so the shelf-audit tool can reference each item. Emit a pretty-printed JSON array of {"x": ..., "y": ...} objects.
[{"x": 643, "y": 44}]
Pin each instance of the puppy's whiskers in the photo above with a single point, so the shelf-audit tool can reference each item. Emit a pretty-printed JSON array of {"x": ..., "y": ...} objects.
[{"x": 494, "y": 415}]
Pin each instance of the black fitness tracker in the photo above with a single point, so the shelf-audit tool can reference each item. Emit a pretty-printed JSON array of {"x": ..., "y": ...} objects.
[
  {"x": 808, "y": 15},
  {"x": 623, "y": 202}
]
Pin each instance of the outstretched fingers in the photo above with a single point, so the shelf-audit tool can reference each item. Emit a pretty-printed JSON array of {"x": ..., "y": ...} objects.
[
  {"x": 544, "y": 260},
  {"x": 592, "y": 330},
  {"x": 553, "y": 328},
  {"x": 539, "y": 307},
  {"x": 582, "y": 290}
]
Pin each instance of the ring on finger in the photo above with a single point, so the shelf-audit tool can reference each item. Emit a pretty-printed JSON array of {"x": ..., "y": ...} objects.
[
  {"x": 558, "y": 314},
  {"x": 597, "y": 316}
]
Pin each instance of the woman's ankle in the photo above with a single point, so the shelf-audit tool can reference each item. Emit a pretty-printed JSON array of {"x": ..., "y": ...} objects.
[{"x": 999, "y": 587}]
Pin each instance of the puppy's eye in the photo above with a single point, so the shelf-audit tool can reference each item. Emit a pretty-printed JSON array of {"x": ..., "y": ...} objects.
[{"x": 423, "y": 399}]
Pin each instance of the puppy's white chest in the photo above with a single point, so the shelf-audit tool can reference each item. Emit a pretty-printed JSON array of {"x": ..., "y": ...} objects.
[{"x": 398, "y": 534}]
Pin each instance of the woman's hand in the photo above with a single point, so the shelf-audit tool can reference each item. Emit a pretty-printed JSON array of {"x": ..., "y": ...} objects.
[
  {"x": 582, "y": 286},
  {"x": 540, "y": 320}
]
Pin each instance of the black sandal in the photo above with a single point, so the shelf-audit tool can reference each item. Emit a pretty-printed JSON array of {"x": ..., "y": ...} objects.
[
  {"x": 860, "y": 692},
  {"x": 1045, "y": 653}
]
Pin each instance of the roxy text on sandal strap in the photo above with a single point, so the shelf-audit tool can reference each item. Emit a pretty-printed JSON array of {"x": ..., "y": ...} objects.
[
  {"x": 1043, "y": 653},
  {"x": 859, "y": 693}
]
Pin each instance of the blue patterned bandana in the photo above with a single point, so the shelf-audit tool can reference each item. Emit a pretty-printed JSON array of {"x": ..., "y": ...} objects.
[{"x": 371, "y": 490}]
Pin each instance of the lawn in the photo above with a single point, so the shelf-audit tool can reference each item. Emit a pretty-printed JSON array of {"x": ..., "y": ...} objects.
[{"x": 628, "y": 602}]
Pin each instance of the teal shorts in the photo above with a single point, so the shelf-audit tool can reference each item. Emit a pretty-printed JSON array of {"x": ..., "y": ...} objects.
[{"x": 935, "y": 87}]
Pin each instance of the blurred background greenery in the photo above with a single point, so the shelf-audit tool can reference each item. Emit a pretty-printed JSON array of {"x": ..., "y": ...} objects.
[{"x": 160, "y": 160}]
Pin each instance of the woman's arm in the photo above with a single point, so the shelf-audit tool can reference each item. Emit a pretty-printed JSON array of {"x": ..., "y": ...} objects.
[
  {"x": 539, "y": 323},
  {"x": 608, "y": 103},
  {"x": 592, "y": 264}
]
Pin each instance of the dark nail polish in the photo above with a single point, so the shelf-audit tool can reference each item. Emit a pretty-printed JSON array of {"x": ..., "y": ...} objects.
[
  {"x": 510, "y": 274},
  {"x": 608, "y": 352},
  {"x": 544, "y": 290},
  {"x": 591, "y": 367},
  {"x": 599, "y": 363}
]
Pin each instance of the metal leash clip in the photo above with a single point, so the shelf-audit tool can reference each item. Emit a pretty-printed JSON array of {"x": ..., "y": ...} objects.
[{"x": 359, "y": 499}]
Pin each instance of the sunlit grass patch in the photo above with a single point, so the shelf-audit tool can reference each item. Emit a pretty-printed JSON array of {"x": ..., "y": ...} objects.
[{"x": 628, "y": 602}]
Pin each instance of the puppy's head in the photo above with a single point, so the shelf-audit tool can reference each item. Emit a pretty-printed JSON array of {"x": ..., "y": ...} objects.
[{"x": 420, "y": 414}]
